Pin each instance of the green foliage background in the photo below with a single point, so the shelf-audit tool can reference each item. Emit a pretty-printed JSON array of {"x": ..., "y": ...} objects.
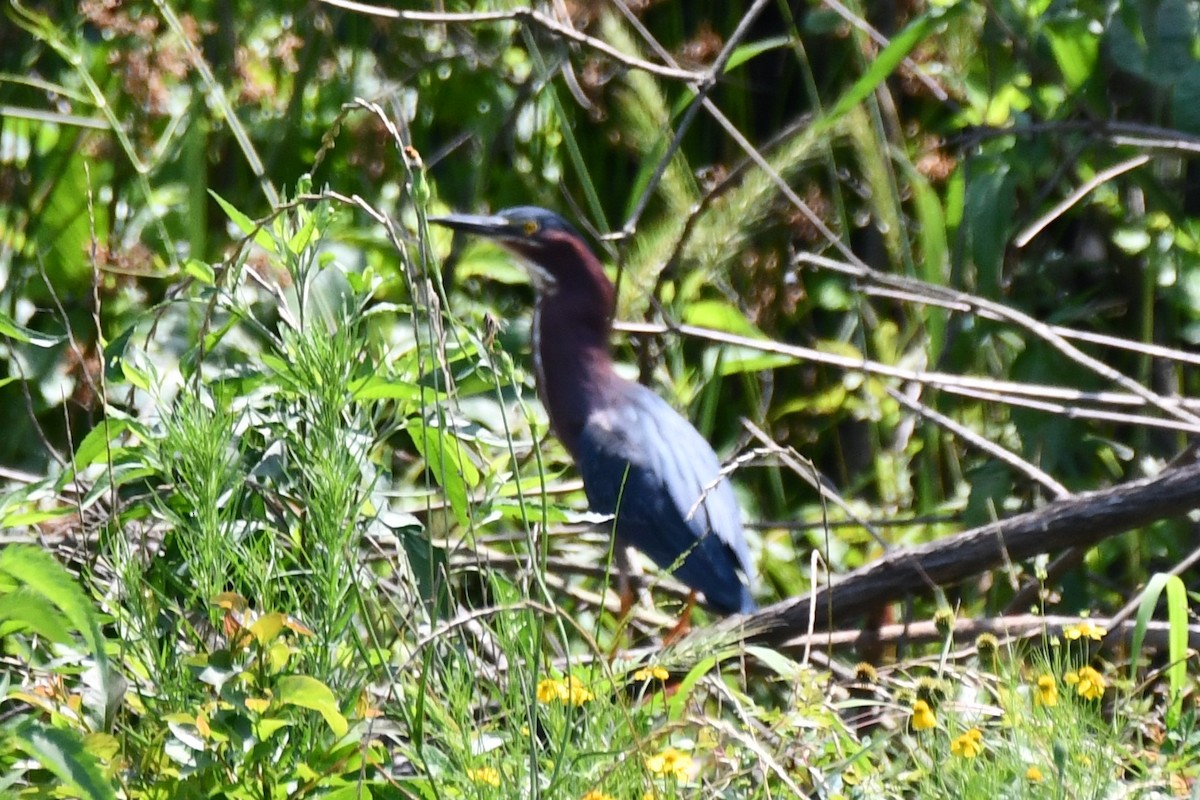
[{"x": 247, "y": 389}]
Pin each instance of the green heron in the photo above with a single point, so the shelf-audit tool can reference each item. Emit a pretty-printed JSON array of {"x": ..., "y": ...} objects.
[{"x": 640, "y": 460}]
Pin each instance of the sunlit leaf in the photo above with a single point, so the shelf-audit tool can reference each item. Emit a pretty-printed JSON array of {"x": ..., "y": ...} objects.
[{"x": 310, "y": 693}]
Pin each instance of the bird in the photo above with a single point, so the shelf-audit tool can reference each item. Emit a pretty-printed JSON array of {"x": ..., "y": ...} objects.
[{"x": 641, "y": 462}]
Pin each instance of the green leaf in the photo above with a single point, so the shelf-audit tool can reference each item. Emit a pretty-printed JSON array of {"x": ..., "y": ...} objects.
[
  {"x": 37, "y": 613},
  {"x": 25, "y": 518},
  {"x": 200, "y": 271},
  {"x": 679, "y": 700},
  {"x": 62, "y": 752},
  {"x": 262, "y": 237},
  {"x": 775, "y": 661},
  {"x": 310, "y": 693},
  {"x": 303, "y": 237},
  {"x": 448, "y": 463},
  {"x": 63, "y": 234},
  {"x": 97, "y": 443},
  {"x": 1185, "y": 100},
  {"x": 990, "y": 209},
  {"x": 1171, "y": 39},
  {"x": 719, "y": 315},
  {"x": 935, "y": 254},
  {"x": 38, "y": 571},
  {"x": 1076, "y": 49},
  {"x": 885, "y": 64},
  {"x": 492, "y": 263},
  {"x": 1125, "y": 49},
  {"x": 1177, "y": 647},
  {"x": 10, "y": 328},
  {"x": 744, "y": 53},
  {"x": 1177, "y": 637},
  {"x": 381, "y": 387}
]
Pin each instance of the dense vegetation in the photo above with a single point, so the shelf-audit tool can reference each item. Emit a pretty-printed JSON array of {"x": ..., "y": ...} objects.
[{"x": 282, "y": 517}]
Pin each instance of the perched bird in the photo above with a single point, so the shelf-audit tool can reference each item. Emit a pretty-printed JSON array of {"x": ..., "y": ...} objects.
[{"x": 640, "y": 460}]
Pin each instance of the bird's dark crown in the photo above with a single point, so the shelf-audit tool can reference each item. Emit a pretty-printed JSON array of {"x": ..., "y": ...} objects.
[
  {"x": 522, "y": 226},
  {"x": 551, "y": 248}
]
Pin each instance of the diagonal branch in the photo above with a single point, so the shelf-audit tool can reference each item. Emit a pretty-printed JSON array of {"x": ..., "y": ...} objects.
[{"x": 1080, "y": 521}]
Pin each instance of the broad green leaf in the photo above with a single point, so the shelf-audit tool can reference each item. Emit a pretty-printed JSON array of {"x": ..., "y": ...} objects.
[
  {"x": 679, "y": 700},
  {"x": 1177, "y": 647},
  {"x": 25, "y": 518},
  {"x": 1076, "y": 49},
  {"x": 381, "y": 387},
  {"x": 734, "y": 360},
  {"x": 990, "y": 208},
  {"x": 310, "y": 693},
  {"x": 267, "y": 627},
  {"x": 97, "y": 442},
  {"x": 1171, "y": 40},
  {"x": 1177, "y": 637},
  {"x": 1185, "y": 100},
  {"x": 37, "y": 613},
  {"x": 775, "y": 661},
  {"x": 37, "y": 570},
  {"x": 490, "y": 262},
  {"x": 10, "y": 328},
  {"x": 719, "y": 315},
  {"x": 200, "y": 271},
  {"x": 448, "y": 463},
  {"x": 62, "y": 752}
]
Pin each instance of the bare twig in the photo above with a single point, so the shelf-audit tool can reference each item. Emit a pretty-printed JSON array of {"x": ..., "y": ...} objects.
[
  {"x": 974, "y": 439},
  {"x": 1013, "y": 317},
  {"x": 963, "y": 384},
  {"x": 1026, "y": 236},
  {"x": 521, "y": 15}
]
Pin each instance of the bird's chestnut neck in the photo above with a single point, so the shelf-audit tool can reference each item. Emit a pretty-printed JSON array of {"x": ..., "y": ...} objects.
[{"x": 572, "y": 324}]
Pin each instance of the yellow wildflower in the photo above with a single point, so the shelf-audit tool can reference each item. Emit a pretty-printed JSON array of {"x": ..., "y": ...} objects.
[
  {"x": 596, "y": 794},
  {"x": 922, "y": 716},
  {"x": 568, "y": 692},
  {"x": 488, "y": 775},
  {"x": 549, "y": 690},
  {"x": 969, "y": 745},
  {"x": 1047, "y": 691},
  {"x": 646, "y": 673},
  {"x": 670, "y": 762},
  {"x": 577, "y": 693},
  {"x": 1085, "y": 629},
  {"x": 1089, "y": 684},
  {"x": 1034, "y": 775}
]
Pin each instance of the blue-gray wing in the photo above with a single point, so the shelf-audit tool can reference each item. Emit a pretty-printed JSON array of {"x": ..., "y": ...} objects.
[{"x": 647, "y": 465}]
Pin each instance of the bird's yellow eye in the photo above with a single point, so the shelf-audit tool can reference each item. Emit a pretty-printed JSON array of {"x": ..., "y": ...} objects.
[{"x": 531, "y": 227}]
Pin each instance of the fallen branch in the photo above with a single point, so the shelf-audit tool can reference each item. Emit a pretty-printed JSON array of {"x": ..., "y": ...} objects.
[{"x": 1079, "y": 521}]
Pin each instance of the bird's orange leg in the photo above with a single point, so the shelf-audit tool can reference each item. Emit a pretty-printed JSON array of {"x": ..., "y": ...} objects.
[
  {"x": 684, "y": 624},
  {"x": 625, "y": 591},
  {"x": 625, "y": 588}
]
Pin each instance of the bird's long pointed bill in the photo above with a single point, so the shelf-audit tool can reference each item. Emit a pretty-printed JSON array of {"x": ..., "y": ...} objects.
[{"x": 480, "y": 224}]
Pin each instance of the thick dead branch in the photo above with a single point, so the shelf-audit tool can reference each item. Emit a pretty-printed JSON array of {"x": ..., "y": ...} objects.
[{"x": 1080, "y": 521}]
